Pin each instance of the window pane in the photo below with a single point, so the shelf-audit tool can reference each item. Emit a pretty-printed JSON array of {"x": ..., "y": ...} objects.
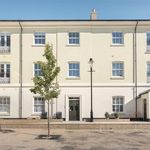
[
  {"x": 117, "y": 69},
  {"x": 8, "y": 70},
  {"x": 73, "y": 38},
  {"x": 114, "y": 110},
  {"x": 114, "y": 100},
  {"x": 148, "y": 70},
  {"x": 121, "y": 108},
  {"x": 117, "y": 38},
  {"x": 2, "y": 41},
  {"x": 74, "y": 69},
  {"x": 39, "y": 38},
  {"x": 8, "y": 41},
  {"x": 5, "y": 104},
  {"x": 37, "y": 70},
  {"x": 39, "y": 104},
  {"x": 117, "y": 101},
  {"x": 148, "y": 39},
  {"x": 118, "y": 104}
]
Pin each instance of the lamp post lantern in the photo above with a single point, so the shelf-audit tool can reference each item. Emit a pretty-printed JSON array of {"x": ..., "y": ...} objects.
[{"x": 91, "y": 81}]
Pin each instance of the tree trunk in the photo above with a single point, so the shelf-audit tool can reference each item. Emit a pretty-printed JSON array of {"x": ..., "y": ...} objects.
[
  {"x": 51, "y": 109},
  {"x": 48, "y": 119}
]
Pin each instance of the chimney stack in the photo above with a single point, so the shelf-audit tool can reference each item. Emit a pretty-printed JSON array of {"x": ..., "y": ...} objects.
[{"x": 93, "y": 15}]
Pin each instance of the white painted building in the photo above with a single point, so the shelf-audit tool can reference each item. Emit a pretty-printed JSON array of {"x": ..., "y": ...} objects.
[{"x": 121, "y": 53}]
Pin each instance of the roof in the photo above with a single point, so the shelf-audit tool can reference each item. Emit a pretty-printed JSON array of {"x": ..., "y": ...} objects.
[
  {"x": 66, "y": 20},
  {"x": 145, "y": 92}
]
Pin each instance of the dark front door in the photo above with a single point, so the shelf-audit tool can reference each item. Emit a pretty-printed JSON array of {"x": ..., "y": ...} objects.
[
  {"x": 145, "y": 109},
  {"x": 74, "y": 110}
]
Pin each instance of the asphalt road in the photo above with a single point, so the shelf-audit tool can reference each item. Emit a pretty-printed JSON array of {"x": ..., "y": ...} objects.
[{"x": 35, "y": 139}]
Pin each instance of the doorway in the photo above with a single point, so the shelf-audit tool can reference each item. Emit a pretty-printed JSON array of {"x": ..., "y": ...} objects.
[
  {"x": 74, "y": 108},
  {"x": 145, "y": 110}
]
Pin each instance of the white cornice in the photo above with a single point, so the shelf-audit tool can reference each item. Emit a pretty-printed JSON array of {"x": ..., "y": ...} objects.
[{"x": 72, "y": 23}]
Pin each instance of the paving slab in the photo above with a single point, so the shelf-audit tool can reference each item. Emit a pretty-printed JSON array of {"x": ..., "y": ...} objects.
[
  {"x": 39, "y": 123},
  {"x": 31, "y": 139}
]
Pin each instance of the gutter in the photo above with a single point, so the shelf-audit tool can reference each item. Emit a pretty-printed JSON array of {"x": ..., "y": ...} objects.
[
  {"x": 135, "y": 76},
  {"x": 20, "y": 71}
]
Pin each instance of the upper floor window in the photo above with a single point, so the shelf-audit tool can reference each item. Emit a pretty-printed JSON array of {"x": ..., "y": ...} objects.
[
  {"x": 117, "y": 38},
  {"x": 4, "y": 42},
  {"x": 148, "y": 72},
  {"x": 117, "y": 69},
  {"x": 118, "y": 104},
  {"x": 148, "y": 41},
  {"x": 74, "y": 38},
  {"x": 39, "y": 38},
  {"x": 4, "y": 73},
  {"x": 39, "y": 105},
  {"x": 37, "y": 70},
  {"x": 74, "y": 69},
  {"x": 4, "y": 104}
]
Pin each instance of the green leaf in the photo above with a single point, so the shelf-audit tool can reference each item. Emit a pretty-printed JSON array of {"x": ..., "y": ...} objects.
[{"x": 46, "y": 85}]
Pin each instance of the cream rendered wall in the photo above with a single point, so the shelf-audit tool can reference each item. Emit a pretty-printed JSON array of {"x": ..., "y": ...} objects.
[
  {"x": 31, "y": 54},
  {"x": 142, "y": 56},
  {"x": 28, "y": 104},
  {"x": 13, "y": 93},
  {"x": 148, "y": 106},
  {"x": 80, "y": 53},
  {"x": 102, "y": 100},
  {"x": 139, "y": 108},
  {"x": 98, "y": 45},
  {"x": 95, "y": 42},
  {"x": 11, "y": 89},
  {"x": 104, "y": 53},
  {"x": 13, "y": 58}
]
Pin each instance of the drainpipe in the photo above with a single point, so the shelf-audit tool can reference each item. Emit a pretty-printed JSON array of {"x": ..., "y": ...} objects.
[
  {"x": 135, "y": 67},
  {"x": 20, "y": 71},
  {"x": 56, "y": 65}
]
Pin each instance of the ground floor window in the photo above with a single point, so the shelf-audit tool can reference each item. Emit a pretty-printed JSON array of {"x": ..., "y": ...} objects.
[
  {"x": 4, "y": 104},
  {"x": 148, "y": 72},
  {"x": 39, "y": 105},
  {"x": 118, "y": 104}
]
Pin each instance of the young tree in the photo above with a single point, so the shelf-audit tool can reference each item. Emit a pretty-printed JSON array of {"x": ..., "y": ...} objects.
[{"x": 46, "y": 85}]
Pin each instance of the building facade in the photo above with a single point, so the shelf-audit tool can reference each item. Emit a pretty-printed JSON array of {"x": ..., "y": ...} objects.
[{"x": 121, "y": 53}]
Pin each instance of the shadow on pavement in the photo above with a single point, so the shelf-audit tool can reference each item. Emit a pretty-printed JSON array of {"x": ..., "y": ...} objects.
[
  {"x": 51, "y": 137},
  {"x": 6, "y": 131}
]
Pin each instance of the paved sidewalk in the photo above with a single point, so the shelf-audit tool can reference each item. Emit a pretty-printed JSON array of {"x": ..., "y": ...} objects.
[
  {"x": 42, "y": 123},
  {"x": 30, "y": 139}
]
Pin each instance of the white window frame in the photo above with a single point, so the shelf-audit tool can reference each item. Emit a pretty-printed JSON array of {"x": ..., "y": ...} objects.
[
  {"x": 39, "y": 70},
  {"x": 117, "y": 38},
  {"x": 118, "y": 105},
  {"x": 40, "y": 105},
  {"x": 68, "y": 74},
  {"x": 148, "y": 72},
  {"x": 73, "y": 38},
  {"x": 5, "y": 105},
  {"x": 7, "y": 70},
  {"x": 5, "y": 48},
  {"x": 39, "y": 38},
  {"x": 117, "y": 76}
]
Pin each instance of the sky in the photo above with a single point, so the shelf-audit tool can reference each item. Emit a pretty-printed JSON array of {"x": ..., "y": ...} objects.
[{"x": 74, "y": 9}]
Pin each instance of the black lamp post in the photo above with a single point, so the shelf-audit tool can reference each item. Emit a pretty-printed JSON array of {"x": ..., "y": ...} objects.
[{"x": 91, "y": 80}]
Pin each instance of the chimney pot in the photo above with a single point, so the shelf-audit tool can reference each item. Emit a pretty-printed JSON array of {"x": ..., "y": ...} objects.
[{"x": 93, "y": 15}]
